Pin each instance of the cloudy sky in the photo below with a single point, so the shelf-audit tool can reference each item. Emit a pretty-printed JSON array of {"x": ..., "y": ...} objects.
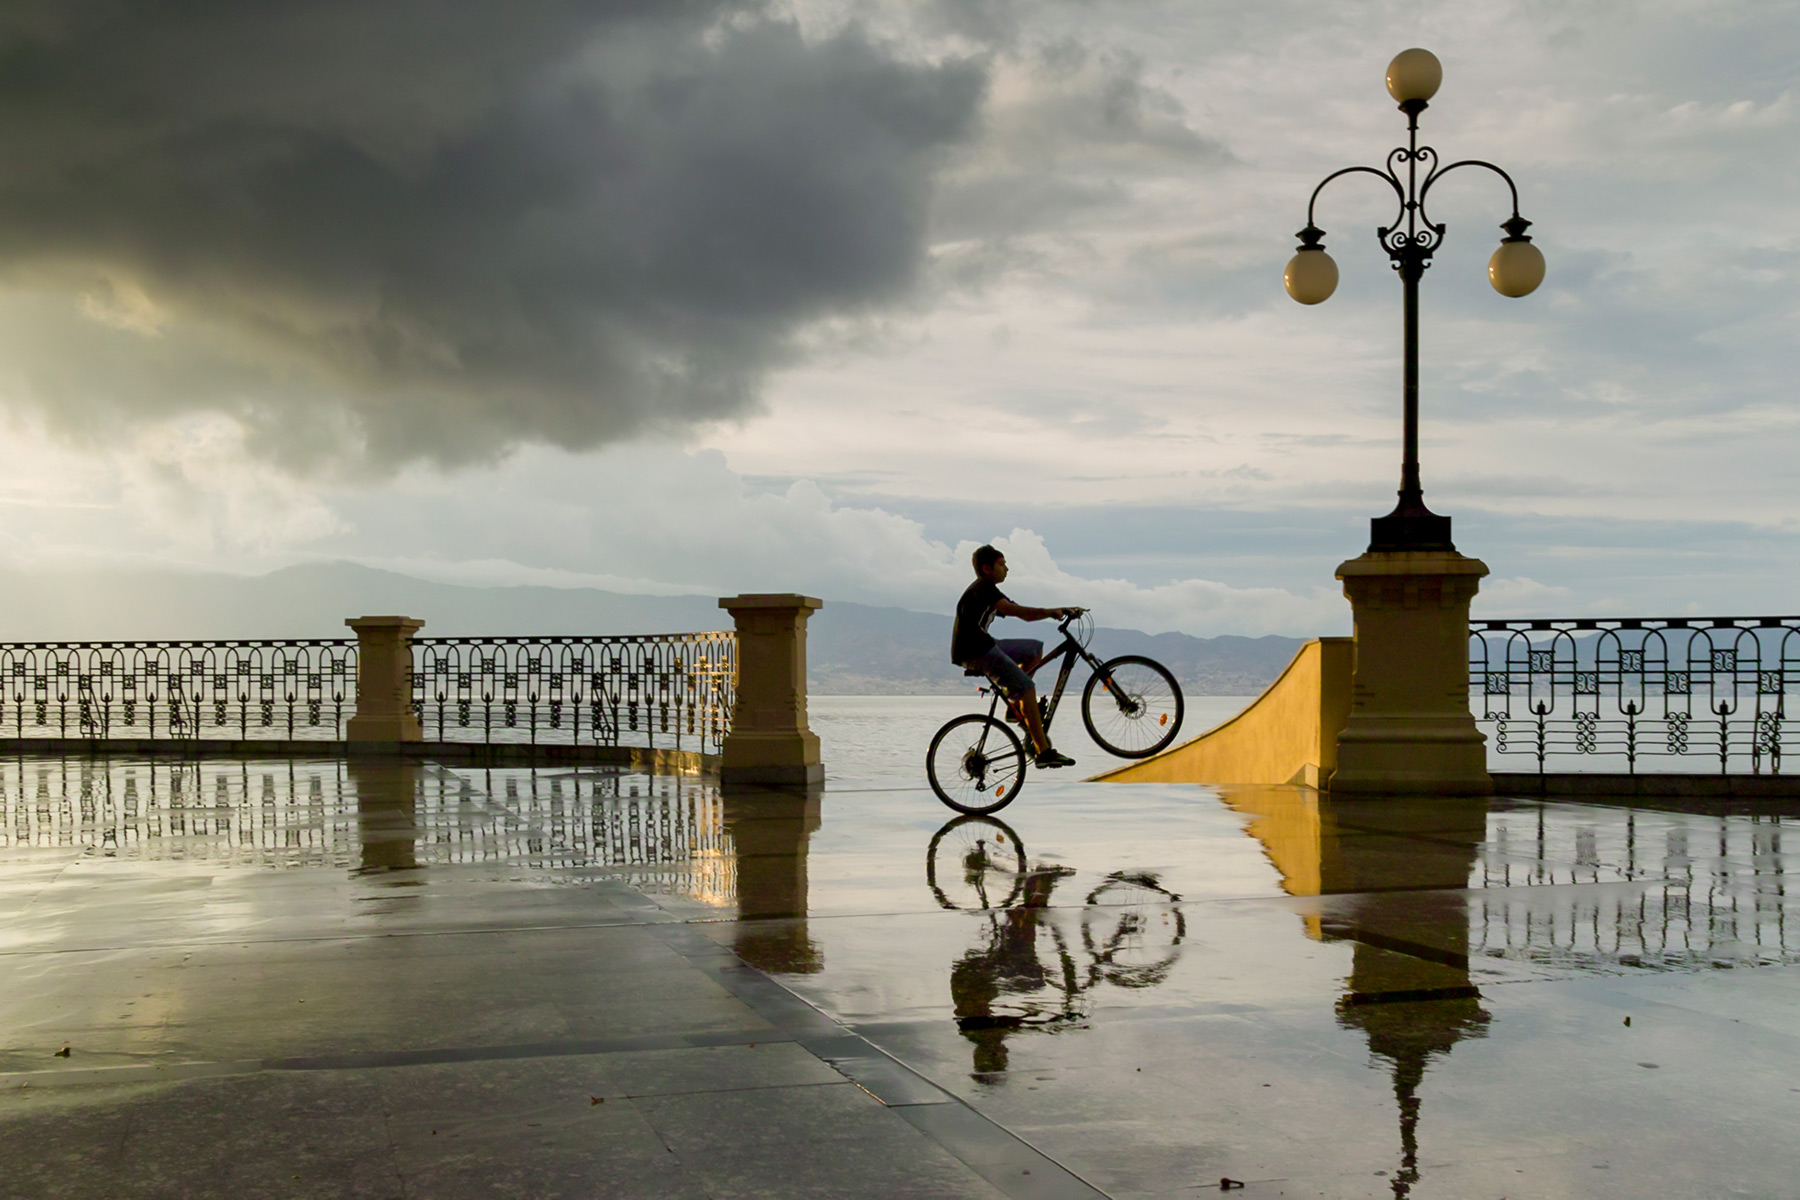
[{"x": 718, "y": 296}]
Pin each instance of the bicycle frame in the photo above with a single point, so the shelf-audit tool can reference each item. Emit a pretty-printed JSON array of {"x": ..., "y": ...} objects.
[{"x": 1070, "y": 651}]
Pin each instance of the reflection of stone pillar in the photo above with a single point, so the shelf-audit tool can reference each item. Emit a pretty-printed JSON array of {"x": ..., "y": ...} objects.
[
  {"x": 384, "y": 680},
  {"x": 769, "y": 832},
  {"x": 1410, "y": 729},
  {"x": 386, "y": 822},
  {"x": 769, "y": 740}
]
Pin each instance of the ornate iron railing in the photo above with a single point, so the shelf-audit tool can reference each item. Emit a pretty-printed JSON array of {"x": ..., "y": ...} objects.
[
  {"x": 178, "y": 690},
  {"x": 1630, "y": 690},
  {"x": 669, "y": 690}
]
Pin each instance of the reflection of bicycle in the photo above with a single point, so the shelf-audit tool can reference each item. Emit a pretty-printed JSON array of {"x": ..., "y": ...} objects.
[
  {"x": 1025, "y": 975},
  {"x": 1132, "y": 707}
]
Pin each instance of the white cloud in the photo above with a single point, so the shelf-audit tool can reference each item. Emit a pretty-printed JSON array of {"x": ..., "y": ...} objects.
[
  {"x": 1188, "y": 605},
  {"x": 647, "y": 519},
  {"x": 1520, "y": 597}
]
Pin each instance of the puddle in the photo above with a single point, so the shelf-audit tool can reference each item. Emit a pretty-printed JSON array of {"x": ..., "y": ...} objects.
[{"x": 1153, "y": 984}]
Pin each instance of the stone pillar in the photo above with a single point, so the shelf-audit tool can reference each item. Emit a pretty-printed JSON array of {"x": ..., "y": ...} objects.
[
  {"x": 1410, "y": 729},
  {"x": 384, "y": 680},
  {"x": 769, "y": 740}
]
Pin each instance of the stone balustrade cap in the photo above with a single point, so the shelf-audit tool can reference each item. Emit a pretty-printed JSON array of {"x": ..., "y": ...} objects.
[
  {"x": 770, "y": 600},
  {"x": 384, "y": 622},
  {"x": 1412, "y": 562}
]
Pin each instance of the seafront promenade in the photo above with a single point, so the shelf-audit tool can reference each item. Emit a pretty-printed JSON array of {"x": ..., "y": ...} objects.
[{"x": 329, "y": 978}]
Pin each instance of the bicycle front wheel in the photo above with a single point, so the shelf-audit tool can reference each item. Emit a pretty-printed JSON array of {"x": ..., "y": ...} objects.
[
  {"x": 1132, "y": 706},
  {"x": 976, "y": 764},
  {"x": 1133, "y": 928}
]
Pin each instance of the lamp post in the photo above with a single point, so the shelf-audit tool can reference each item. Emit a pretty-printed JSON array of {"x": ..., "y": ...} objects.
[{"x": 1515, "y": 269}]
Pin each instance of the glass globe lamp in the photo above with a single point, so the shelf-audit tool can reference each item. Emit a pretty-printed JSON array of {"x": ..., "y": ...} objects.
[
  {"x": 1517, "y": 267},
  {"x": 1311, "y": 275},
  {"x": 1414, "y": 76}
]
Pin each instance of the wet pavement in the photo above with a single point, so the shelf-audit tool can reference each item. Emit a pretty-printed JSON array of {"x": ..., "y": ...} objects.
[{"x": 326, "y": 978}]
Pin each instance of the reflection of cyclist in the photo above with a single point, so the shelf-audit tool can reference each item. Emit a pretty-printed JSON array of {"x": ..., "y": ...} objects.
[
  {"x": 1131, "y": 928},
  {"x": 1009, "y": 966},
  {"x": 1006, "y": 663}
]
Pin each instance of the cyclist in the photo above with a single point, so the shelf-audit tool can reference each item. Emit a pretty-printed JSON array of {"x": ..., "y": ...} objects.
[{"x": 1007, "y": 664}]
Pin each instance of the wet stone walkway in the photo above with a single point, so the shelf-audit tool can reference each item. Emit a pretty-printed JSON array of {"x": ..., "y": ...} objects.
[{"x": 323, "y": 978}]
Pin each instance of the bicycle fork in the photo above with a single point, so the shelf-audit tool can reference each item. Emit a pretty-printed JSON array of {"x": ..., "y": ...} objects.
[{"x": 1127, "y": 704}]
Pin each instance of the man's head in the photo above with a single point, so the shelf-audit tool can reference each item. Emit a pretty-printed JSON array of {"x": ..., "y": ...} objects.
[{"x": 989, "y": 564}]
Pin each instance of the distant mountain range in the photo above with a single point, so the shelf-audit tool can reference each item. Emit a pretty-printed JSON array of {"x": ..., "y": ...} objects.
[{"x": 853, "y": 649}]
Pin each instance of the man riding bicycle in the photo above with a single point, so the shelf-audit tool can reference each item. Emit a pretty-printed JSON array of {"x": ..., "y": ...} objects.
[{"x": 1007, "y": 664}]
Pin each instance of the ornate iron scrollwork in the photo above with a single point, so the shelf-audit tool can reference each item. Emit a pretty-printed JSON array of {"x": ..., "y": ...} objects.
[
  {"x": 290, "y": 690},
  {"x": 1638, "y": 688},
  {"x": 670, "y": 690}
]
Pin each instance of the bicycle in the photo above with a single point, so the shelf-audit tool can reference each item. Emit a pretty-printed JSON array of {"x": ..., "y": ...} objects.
[{"x": 1132, "y": 708}]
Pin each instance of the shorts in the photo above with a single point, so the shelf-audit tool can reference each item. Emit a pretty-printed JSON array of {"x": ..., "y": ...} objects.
[{"x": 1001, "y": 664}]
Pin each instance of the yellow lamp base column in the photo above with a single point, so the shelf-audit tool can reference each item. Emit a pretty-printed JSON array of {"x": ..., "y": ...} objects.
[{"x": 1410, "y": 730}]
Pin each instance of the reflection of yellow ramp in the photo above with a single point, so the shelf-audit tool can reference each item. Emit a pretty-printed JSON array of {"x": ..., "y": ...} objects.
[{"x": 1289, "y": 735}]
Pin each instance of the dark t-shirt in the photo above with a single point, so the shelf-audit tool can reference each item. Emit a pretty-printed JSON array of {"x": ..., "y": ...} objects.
[{"x": 969, "y": 639}]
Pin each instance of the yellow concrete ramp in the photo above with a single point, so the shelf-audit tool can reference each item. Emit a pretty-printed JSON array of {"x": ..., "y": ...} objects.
[{"x": 1289, "y": 735}]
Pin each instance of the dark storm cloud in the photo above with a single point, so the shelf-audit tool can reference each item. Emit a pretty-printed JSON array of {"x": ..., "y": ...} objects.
[{"x": 439, "y": 229}]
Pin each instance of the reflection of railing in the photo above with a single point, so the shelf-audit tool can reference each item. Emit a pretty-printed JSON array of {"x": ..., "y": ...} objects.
[
  {"x": 663, "y": 832},
  {"x": 669, "y": 690},
  {"x": 178, "y": 690},
  {"x": 1685, "y": 892},
  {"x": 1638, "y": 688}
]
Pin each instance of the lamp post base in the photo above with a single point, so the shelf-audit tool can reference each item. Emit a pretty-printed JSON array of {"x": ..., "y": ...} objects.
[
  {"x": 1410, "y": 731},
  {"x": 1415, "y": 529}
]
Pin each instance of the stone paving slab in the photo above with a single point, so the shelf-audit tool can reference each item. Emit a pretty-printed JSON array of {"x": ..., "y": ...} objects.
[{"x": 569, "y": 1060}]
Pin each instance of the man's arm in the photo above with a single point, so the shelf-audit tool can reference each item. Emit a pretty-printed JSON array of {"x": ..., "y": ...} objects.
[{"x": 1007, "y": 608}]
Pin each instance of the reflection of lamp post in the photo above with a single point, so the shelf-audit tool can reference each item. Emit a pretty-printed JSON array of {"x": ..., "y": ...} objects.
[
  {"x": 1400, "y": 876},
  {"x": 1515, "y": 269}
]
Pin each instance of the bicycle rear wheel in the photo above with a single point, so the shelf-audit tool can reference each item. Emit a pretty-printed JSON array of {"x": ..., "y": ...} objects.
[
  {"x": 976, "y": 764},
  {"x": 1132, "y": 706}
]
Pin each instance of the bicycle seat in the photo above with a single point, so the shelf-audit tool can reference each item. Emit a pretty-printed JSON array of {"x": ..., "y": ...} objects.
[{"x": 974, "y": 672}]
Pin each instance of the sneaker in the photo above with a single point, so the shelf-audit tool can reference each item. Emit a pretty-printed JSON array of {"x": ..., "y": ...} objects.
[{"x": 1053, "y": 758}]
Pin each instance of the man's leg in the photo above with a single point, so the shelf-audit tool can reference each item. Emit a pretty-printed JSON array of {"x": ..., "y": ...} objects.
[
  {"x": 1021, "y": 694},
  {"x": 1028, "y": 655},
  {"x": 1027, "y": 652},
  {"x": 1034, "y": 723}
]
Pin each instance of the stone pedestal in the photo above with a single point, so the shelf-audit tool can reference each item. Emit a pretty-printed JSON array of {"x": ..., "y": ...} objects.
[
  {"x": 384, "y": 680},
  {"x": 769, "y": 740},
  {"x": 1410, "y": 729}
]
